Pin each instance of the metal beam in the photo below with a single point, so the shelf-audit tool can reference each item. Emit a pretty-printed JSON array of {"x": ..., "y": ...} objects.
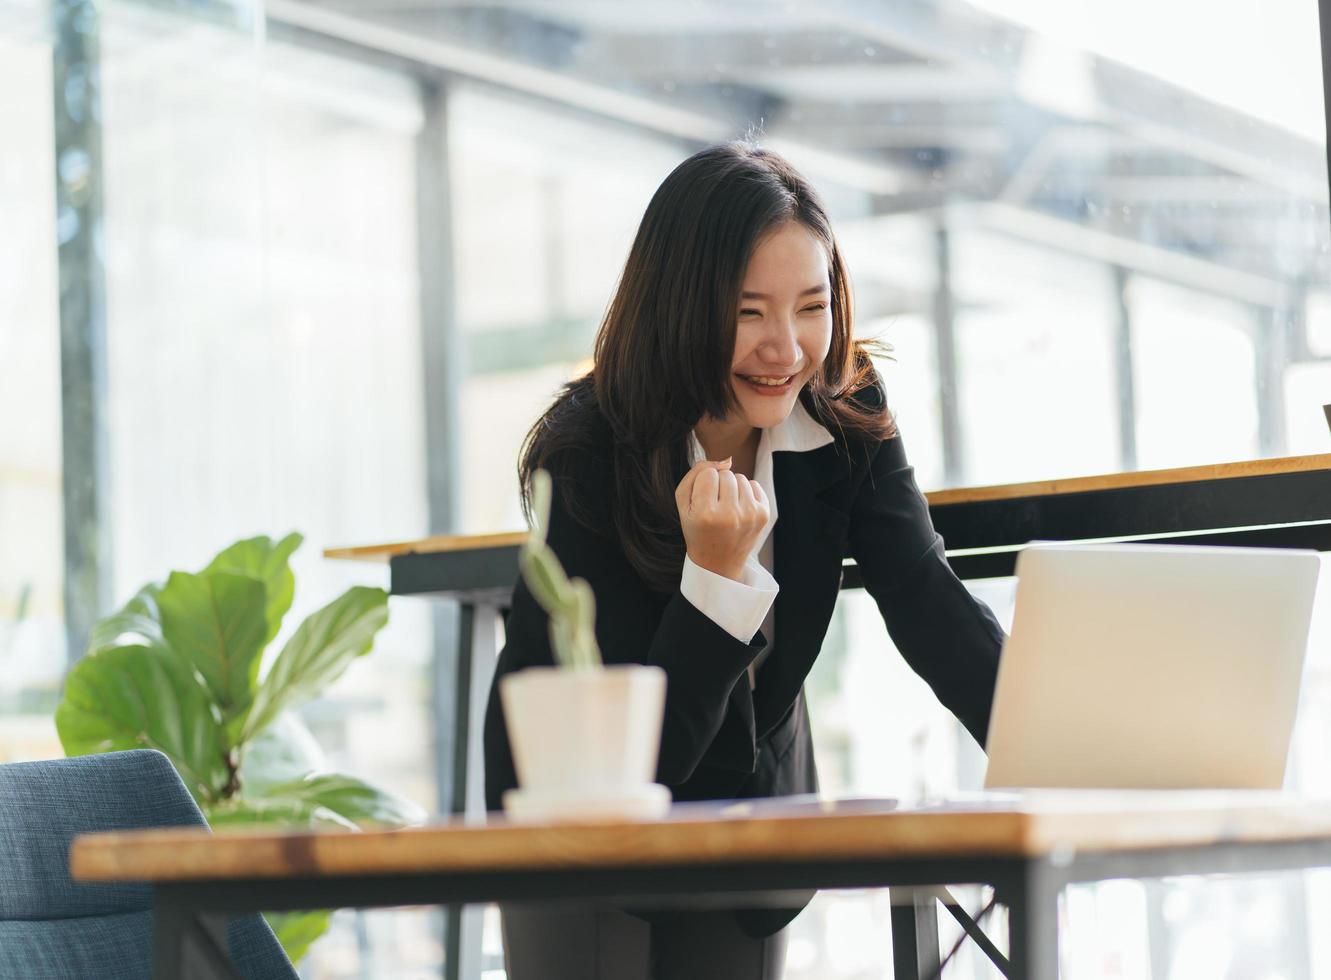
[
  {"x": 82, "y": 276},
  {"x": 441, "y": 347},
  {"x": 1220, "y": 191},
  {"x": 729, "y": 55},
  {"x": 947, "y": 32},
  {"x": 1169, "y": 117},
  {"x": 1271, "y": 354},
  {"x": 989, "y": 140},
  {"x": 945, "y": 346},
  {"x": 638, "y": 111},
  {"x": 914, "y": 934},
  {"x": 1106, "y": 246},
  {"x": 1123, "y": 373},
  {"x": 454, "y": 57},
  {"x": 442, "y": 363},
  {"x": 1324, "y": 33}
]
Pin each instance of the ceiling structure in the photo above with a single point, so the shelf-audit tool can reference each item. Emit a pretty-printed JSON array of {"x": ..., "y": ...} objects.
[{"x": 927, "y": 106}]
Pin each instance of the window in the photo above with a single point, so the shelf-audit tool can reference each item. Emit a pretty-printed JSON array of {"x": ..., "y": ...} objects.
[
  {"x": 1042, "y": 204},
  {"x": 32, "y": 637}
]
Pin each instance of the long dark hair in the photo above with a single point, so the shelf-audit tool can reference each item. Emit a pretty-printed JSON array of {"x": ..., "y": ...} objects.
[{"x": 664, "y": 349}]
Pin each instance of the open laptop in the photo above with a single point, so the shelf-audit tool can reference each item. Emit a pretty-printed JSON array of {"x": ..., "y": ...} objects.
[{"x": 1151, "y": 667}]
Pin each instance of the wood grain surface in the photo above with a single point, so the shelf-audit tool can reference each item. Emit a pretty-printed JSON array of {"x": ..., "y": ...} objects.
[
  {"x": 1031, "y": 825},
  {"x": 937, "y": 498},
  {"x": 1141, "y": 478},
  {"x": 439, "y": 542}
]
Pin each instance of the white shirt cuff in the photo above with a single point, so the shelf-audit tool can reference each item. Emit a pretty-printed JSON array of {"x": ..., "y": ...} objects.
[{"x": 739, "y": 608}]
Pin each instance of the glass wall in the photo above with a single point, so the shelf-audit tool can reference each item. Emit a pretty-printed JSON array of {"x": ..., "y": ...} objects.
[
  {"x": 546, "y": 203},
  {"x": 32, "y": 637},
  {"x": 1043, "y": 206},
  {"x": 265, "y": 352}
]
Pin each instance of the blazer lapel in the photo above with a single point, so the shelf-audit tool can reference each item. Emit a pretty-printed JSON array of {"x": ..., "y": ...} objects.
[{"x": 810, "y": 538}]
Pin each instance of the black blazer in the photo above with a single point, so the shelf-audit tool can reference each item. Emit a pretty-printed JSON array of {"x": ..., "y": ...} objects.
[{"x": 720, "y": 740}]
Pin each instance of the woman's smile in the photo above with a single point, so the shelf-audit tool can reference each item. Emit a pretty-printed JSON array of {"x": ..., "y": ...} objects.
[{"x": 768, "y": 385}]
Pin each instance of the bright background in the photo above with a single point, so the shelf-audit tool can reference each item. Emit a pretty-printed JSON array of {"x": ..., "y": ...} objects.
[{"x": 1095, "y": 232}]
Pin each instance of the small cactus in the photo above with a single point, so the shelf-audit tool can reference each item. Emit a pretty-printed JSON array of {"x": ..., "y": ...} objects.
[{"x": 571, "y": 604}]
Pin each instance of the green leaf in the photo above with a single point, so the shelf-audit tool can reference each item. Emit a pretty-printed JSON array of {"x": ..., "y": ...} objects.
[
  {"x": 282, "y": 752},
  {"x": 328, "y": 800},
  {"x": 318, "y": 652},
  {"x": 545, "y": 577},
  {"x": 216, "y": 622},
  {"x": 239, "y": 813},
  {"x": 136, "y": 697},
  {"x": 353, "y": 800},
  {"x": 269, "y": 562},
  {"x": 139, "y": 618},
  {"x": 296, "y": 931},
  {"x": 584, "y": 624}
]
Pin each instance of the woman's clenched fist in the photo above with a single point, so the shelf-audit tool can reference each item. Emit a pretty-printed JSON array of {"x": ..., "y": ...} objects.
[{"x": 722, "y": 514}]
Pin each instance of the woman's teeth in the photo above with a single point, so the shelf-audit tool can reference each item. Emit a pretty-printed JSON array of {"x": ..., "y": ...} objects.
[{"x": 773, "y": 382}]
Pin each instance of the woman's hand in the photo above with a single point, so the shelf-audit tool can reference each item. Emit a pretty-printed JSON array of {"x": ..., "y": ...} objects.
[{"x": 722, "y": 514}]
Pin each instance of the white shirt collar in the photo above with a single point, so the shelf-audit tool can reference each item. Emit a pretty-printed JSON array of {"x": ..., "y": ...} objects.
[{"x": 798, "y": 432}]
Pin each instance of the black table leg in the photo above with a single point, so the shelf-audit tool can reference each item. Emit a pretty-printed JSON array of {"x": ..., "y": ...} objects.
[
  {"x": 1032, "y": 900},
  {"x": 914, "y": 934},
  {"x": 189, "y": 943},
  {"x": 169, "y": 924},
  {"x": 462, "y": 684},
  {"x": 458, "y": 703},
  {"x": 977, "y": 935},
  {"x": 207, "y": 953}
]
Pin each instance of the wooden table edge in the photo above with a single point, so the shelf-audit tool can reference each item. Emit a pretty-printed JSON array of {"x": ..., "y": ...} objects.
[
  {"x": 383, "y": 553},
  {"x": 937, "y": 498},
  {"x": 196, "y": 854}
]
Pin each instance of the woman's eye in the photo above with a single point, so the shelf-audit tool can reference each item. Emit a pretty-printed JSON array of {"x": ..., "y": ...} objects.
[
  {"x": 747, "y": 312},
  {"x": 817, "y": 308}
]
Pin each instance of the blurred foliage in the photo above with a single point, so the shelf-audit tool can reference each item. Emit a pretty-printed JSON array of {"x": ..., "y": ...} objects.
[{"x": 177, "y": 670}]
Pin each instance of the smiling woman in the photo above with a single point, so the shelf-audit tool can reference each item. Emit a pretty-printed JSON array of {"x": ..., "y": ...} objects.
[
  {"x": 732, "y": 220},
  {"x": 727, "y": 383}
]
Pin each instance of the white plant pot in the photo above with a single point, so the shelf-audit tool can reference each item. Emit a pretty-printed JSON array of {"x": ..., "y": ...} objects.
[{"x": 585, "y": 742}]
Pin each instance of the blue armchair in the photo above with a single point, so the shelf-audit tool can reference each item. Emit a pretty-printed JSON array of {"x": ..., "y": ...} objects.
[{"x": 53, "y": 928}]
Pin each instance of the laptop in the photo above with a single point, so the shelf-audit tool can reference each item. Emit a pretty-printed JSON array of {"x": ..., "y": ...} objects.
[{"x": 1139, "y": 666}]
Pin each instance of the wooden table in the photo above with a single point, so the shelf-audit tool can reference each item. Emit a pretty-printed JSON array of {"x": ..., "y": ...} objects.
[
  {"x": 1028, "y": 848},
  {"x": 1283, "y": 502}
]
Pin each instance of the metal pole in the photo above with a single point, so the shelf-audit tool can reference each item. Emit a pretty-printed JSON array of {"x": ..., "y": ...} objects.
[
  {"x": 78, "y": 156},
  {"x": 441, "y": 344},
  {"x": 1032, "y": 900},
  {"x": 1324, "y": 25},
  {"x": 1271, "y": 329},
  {"x": 914, "y": 934},
  {"x": 441, "y": 357},
  {"x": 954, "y": 455},
  {"x": 1127, "y": 389}
]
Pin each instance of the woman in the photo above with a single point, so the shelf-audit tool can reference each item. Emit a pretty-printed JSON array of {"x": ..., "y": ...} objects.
[{"x": 727, "y": 390}]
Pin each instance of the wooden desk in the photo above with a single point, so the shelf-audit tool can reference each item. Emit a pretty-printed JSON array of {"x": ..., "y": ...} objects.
[
  {"x": 1264, "y": 503},
  {"x": 1028, "y": 848}
]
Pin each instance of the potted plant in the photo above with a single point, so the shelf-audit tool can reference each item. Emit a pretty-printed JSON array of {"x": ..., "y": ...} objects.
[
  {"x": 585, "y": 737},
  {"x": 178, "y": 670}
]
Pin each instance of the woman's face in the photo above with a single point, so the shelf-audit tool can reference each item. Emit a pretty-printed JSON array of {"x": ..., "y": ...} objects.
[{"x": 785, "y": 323}]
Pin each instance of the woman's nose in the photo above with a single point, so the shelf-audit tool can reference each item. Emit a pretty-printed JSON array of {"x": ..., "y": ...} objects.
[{"x": 781, "y": 346}]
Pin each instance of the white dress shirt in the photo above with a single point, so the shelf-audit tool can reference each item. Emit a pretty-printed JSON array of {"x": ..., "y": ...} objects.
[{"x": 742, "y": 608}]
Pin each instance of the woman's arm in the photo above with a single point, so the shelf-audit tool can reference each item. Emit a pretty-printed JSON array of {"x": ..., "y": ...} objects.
[
  {"x": 703, "y": 662},
  {"x": 948, "y": 637}
]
